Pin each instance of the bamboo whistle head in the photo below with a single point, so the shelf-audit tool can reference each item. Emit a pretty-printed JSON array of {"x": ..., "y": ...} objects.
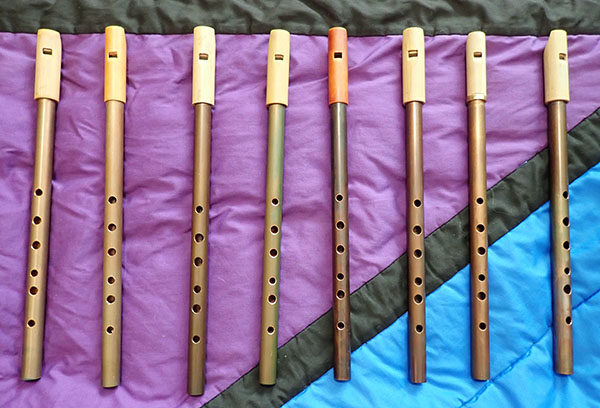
[
  {"x": 48, "y": 56},
  {"x": 556, "y": 68},
  {"x": 278, "y": 67},
  {"x": 413, "y": 65},
  {"x": 115, "y": 64},
  {"x": 476, "y": 61},
  {"x": 338, "y": 65},
  {"x": 203, "y": 68}
]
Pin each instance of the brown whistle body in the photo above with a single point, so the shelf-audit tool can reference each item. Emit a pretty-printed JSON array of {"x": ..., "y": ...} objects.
[
  {"x": 476, "y": 98},
  {"x": 114, "y": 97},
  {"x": 277, "y": 101},
  {"x": 338, "y": 101},
  {"x": 47, "y": 89}
]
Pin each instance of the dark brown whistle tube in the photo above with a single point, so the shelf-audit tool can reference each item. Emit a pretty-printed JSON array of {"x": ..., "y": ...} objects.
[
  {"x": 47, "y": 93},
  {"x": 203, "y": 95},
  {"x": 413, "y": 84},
  {"x": 476, "y": 97},
  {"x": 556, "y": 86},
  {"x": 338, "y": 102}
]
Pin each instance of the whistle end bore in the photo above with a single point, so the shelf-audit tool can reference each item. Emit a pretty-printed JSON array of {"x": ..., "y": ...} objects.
[
  {"x": 48, "y": 55},
  {"x": 413, "y": 65},
  {"x": 115, "y": 64},
  {"x": 476, "y": 67},
  {"x": 556, "y": 67},
  {"x": 337, "y": 57},
  {"x": 278, "y": 67},
  {"x": 203, "y": 68}
]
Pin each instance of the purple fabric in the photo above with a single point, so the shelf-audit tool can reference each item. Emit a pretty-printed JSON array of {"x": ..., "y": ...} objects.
[{"x": 158, "y": 193}]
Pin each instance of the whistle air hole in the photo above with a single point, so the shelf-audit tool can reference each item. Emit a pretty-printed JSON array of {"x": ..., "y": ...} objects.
[
  {"x": 47, "y": 51},
  {"x": 562, "y": 56},
  {"x": 477, "y": 54},
  {"x": 278, "y": 57},
  {"x": 413, "y": 53},
  {"x": 203, "y": 56},
  {"x": 112, "y": 54},
  {"x": 337, "y": 55}
]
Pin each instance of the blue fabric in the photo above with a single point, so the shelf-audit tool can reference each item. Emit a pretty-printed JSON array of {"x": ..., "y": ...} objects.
[{"x": 520, "y": 323}]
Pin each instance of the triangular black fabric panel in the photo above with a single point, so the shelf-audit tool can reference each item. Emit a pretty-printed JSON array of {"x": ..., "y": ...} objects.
[
  {"x": 360, "y": 17},
  {"x": 383, "y": 299}
]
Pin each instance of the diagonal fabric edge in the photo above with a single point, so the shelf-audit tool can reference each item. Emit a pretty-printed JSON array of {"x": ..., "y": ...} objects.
[
  {"x": 380, "y": 301},
  {"x": 313, "y": 17}
]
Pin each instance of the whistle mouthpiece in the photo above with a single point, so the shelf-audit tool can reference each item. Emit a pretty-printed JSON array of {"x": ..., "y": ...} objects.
[
  {"x": 338, "y": 65},
  {"x": 278, "y": 67},
  {"x": 413, "y": 65},
  {"x": 48, "y": 56},
  {"x": 556, "y": 67},
  {"x": 115, "y": 64},
  {"x": 203, "y": 69},
  {"x": 476, "y": 67}
]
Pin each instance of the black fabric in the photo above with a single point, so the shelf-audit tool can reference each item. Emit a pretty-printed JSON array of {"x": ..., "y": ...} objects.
[
  {"x": 360, "y": 17},
  {"x": 383, "y": 299}
]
